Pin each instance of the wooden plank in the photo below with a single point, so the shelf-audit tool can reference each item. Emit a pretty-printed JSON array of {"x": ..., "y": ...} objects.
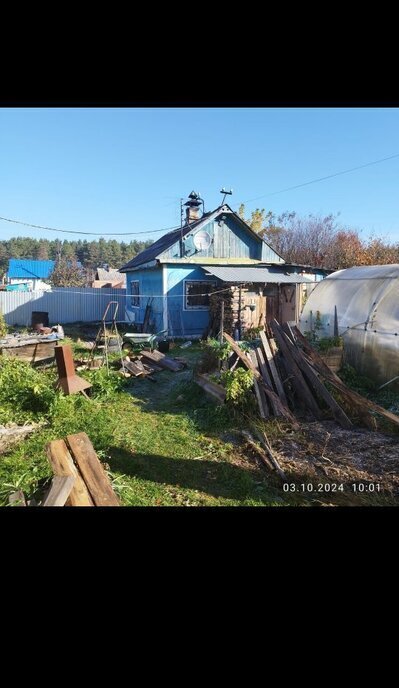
[
  {"x": 354, "y": 397},
  {"x": 259, "y": 391},
  {"x": 298, "y": 381},
  {"x": 266, "y": 376},
  {"x": 61, "y": 487},
  {"x": 216, "y": 391},
  {"x": 34, "y": 352},
  {"x": 17, "y": 499},
  {"x": 314, "y": 355},
  {"x": 63, "y": 465},
  {"x": 339, "y": 415},
  {"x": 93, "y": 473},
  {"x": 273, "y": 369},
  {"x": 133, "y": 368},
  {"x": 162, "y": 360},
  {"x": 270, "y": 393}
]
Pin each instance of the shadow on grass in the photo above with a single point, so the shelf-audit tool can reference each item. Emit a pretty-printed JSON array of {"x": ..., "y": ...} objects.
[
  {"x": 178, "y": 394},
  {"x": 216, "y": 479}
]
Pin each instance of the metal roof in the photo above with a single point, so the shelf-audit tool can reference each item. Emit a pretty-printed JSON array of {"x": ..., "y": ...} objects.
[
  {"x": 255, "y": 274},
  {"x": 29, "y": 269}
]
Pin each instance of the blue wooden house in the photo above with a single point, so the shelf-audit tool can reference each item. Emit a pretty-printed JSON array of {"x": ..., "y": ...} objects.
[{"x": 210, "y": 252}]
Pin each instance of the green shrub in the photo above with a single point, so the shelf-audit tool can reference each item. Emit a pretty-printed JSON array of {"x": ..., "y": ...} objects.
[
  {"x": 105, "y": 385},
  {"x": 238, "y": 384},
  {"x": 3, "y": 326},
  {"x": 252, "y": 333},
  {"x": 212, "y": 353},
  {"x": 25, "y": 393},
  {"x": 326, "y": 343}
]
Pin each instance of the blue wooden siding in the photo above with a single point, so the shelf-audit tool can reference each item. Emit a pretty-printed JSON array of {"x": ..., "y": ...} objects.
[
  {"x": 228, "y": 240},
  {"x": 270, "y": 256},
  {"x": 150, "y": 284},
  {"x": 182, "y": 322}
]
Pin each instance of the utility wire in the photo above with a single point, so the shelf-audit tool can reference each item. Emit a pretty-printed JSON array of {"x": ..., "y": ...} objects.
[
  {"x": 101, "y": 234},
  {"x": 168, "y": 229},
  {"x": 124, "y": 296},
  {"x": 320, "y": 179}
]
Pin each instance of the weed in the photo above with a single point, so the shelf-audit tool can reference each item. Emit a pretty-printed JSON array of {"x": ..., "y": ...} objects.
[
  {"x": 25, "y": 393},
  {"x": 3, "y": 326}
]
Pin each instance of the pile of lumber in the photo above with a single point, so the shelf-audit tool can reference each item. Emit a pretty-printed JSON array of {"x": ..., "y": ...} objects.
[
  {"x": 289, "y": 381},
  {"x": 149, "y": 362}
]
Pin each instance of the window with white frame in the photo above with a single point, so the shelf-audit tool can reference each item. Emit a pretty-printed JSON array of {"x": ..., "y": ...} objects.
[
  {"x": 196, "y": 294},
  {"x": 134, "y": 294}
]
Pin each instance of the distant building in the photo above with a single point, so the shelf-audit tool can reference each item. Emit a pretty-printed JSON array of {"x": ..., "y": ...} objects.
[
  {"x": 106, "y": 277},
  {"x": 32, "y": 273}
]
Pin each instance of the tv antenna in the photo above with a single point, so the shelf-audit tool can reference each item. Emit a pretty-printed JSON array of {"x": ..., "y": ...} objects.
[{"x": 226, "y": 193}]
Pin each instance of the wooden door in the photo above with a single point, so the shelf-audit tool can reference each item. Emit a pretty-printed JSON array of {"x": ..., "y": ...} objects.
[{"x": 288, "y": 303}]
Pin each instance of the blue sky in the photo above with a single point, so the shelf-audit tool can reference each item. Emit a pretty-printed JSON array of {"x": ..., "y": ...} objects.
[{"x": 124, "y": 170}]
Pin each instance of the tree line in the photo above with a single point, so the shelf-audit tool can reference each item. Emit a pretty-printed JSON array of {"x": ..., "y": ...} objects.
[
  {"x": 320, "y": 241},
  {"x": 91, "y": 254},
  {"x": 308, "y": 240}
]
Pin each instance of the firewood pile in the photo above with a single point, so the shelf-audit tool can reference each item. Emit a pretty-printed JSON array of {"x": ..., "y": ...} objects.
[{"x": 290, "y": 381}]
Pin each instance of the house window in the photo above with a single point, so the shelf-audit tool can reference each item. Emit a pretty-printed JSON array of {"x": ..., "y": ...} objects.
[
  {"x": 197, "y": 294},
  {"x": 134, "y": 293}
]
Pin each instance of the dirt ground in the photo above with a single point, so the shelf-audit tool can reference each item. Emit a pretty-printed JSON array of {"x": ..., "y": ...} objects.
[{"x": 323, "y": 452}]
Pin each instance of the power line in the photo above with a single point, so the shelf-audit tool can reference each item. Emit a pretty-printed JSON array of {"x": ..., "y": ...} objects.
[
  {"x": 101, "y": 234},
  {"x": 168, "y": 229},
  {"x": 320, "y": 179},
  {"x": 124, "y": 296}
]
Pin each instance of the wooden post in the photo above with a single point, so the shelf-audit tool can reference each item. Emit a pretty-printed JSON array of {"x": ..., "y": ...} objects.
[
  {"x": 335, "y": 322},
  {"x": 221, "y": 321}
]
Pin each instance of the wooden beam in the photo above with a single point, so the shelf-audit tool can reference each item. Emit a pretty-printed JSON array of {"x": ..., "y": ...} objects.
[
  {"x": 298, "y": 381},
  {"x": 270, "y": 393},
  {"x": 354, "y": 397},
  {"x": 61, "y": 487},
  {"x": 273, "y": 369},
  {"x": 266, "y": 376},
  {"x": 63, "y": 465},
  {"x": 314, "y": 355},
  {"x": 93, "y": 473},
  {"x": 216, "y": 391},
  {"x": 161, "y": 360},
  {"x": 259, "y": 391},
  {"x": 311, "y": 377}
]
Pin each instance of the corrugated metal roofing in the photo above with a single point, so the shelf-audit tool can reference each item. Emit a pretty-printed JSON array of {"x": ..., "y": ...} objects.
[
  {"x": 254, "y": 274},
  {"x": 29, "y": 269}
]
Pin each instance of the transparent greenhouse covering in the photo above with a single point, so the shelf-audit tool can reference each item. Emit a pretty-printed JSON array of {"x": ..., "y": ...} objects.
[{"x": 366, "y": 299}]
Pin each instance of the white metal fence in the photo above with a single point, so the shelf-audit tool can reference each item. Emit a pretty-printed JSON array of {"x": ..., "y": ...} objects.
[{"x": 62, "y": 305}]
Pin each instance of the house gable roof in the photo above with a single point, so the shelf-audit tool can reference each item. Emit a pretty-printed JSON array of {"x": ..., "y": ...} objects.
[{"x": 165, "y": 242}]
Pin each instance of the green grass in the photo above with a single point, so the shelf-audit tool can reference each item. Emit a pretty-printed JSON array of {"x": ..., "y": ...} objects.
[{"x": 163, "y": 443}]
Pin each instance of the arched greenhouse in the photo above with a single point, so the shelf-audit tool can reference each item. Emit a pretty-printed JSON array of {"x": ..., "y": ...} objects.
[{"x": 362, "y": 304}]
